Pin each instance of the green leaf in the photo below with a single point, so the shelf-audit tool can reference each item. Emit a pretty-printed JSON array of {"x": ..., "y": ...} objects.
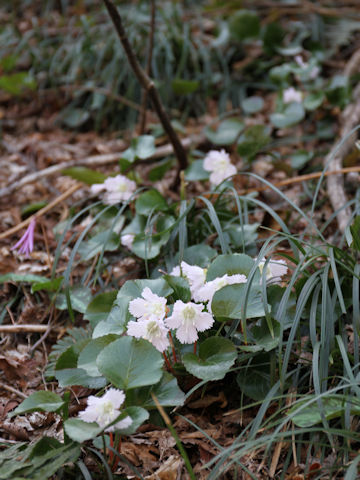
[
  {"x": 300, "y": 158},
  {"x": 253, "y": 140},
  {"x": 254, "y": 382},
  {"x": 98, "y": 243},
  {"x": 48, "y": 286},
  {"x": 216, "y": 357},
  {"x": 100, "y": 307},
  {"x": 128, "y": 363},
  {"x": 150, "y": 202},
  {"x": 184, "y": 87},
  {"x": 75, "y": 117},
  {"x": 338, "y": 92},
  {"x": 28, "y": 210},
  {"x": 142, "y": 147},
  {"x": 138, "y": 415},
  {"x": 262, "y": 338},
  {"x": 81, "y": 431},
  {"x": 252, "y": 104},
  {"x": 355, "y": 232},
  {"x": 80, "y": 298},
  {"x": 196, "y": 171},
  {"x": 200, "y": 255},
  {"x": 134, "y": 288},
  {"x": 314, "y": 100},
  {"x": 42, "y": 401},
  {"x": 333, "y": 406},
  {"x": 167, "y": 392},
  {"x": 149, "y": 246},
  {"x": 236, "y": 263},
  {"x": 26, "y": 278},
  {"x": 180, "y": 286},
  {"x": 229, "y": 302},
  {"x": 272, "y": 37},
  {"x": 16, "y": 83},
  {"x": 116, "y": 320},
  {"x": 226, "y": 133},
  {"x": 67, "y": 373},
  {"x": 244, "y": 24},
  {"x": 88, "y": 356},
  {"x": 292, "y": 115},
  {"x": 85, "y": 175},
  {"x": 274, "y": 296},
  {"x": 159, "y": 170}
]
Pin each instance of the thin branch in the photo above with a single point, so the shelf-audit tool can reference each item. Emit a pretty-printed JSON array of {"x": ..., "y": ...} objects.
[
  {"x": 148, "y": 85},
  {"x": 350, "y": 117},
  {"x": 23, "y": 328},
  {"x": 148, "y": 68},
  {"x": 104, "y": 159},
  {"x": 41, "y": 212}
]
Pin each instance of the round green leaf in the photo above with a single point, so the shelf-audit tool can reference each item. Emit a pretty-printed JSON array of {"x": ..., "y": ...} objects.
[
  {"x": 229, "y": 302},
  {"x": 80, "y": 431},
  {"x": 216, "y": 357},
  {"x": 292, "y": 115},
  {"x": 196, "y": 171},
  {"x": 236, "y": 263},
  {"x": 252, "y": 104},
  {"x": 138, "y": 416},
  {"x": 244, "y": 24},
  {"x": 254, "y": 383},
  {"x": 88, "y": 356},
  {"x": 314, "y": 100},
  {"x": 39, "y": 402},
  {"x": 150, "y": 202},
  {"x": 226, "y": 133},
  {"x": 128, "y": 363}
]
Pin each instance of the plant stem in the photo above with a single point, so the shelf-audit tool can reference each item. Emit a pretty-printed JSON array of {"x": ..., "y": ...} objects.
[
  {"x": 148, "y": 85},
  {"x": 167, "y": 362},
  {"x": 148, "y": 68},
  {"x": 172, "y": 347}
]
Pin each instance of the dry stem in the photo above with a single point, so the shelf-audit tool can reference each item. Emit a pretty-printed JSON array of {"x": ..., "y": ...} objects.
[{"x": 148, "y": 85}]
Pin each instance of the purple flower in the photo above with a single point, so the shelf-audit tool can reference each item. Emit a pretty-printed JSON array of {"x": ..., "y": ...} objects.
[{"x": 26, "y": 242}]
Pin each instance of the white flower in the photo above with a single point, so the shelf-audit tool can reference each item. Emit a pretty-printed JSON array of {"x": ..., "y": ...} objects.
[
  {"x": 274, "y": 269},
  {"x": 220, "y": 165},
  {"x": 104, "y": 410},
  {"x": 117, "y": 189},
  {"x": 312, "y": 71},
  {"x": 195, "y": 275},
  {"x": 207, "y": 292},
  {"x": 291, "y": 95},
  {"x": 188, "y": 319},
  {"x": 153, "y": 330},
  {"x": 150, "y": 307},
  {"x": 127, "y": 240}
]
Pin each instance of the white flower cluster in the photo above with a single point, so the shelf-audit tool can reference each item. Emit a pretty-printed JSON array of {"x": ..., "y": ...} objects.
[
  {"x": 150, "y": 310},
  {"x": 104, "y": 410},
  {"x": 291, "y": 95},
  {"x": 313, "y": 70},
  {"x": 117, "y": 189},
  {"x": 187, "y": 318},
  {"x": 220, "y": 166}
]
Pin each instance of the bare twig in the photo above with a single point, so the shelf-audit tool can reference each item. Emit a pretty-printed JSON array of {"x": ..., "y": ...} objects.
[
  {"x": 148, "y": 85},
  {"x": 349, "y": 119},
  {"x": 148, "y": 68},
  {"x": 23, "y": 328},
  {"x": 98, "y": 160},
  {"x": 40, "y": 212},
  {"x": 11, "y": 389}
]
